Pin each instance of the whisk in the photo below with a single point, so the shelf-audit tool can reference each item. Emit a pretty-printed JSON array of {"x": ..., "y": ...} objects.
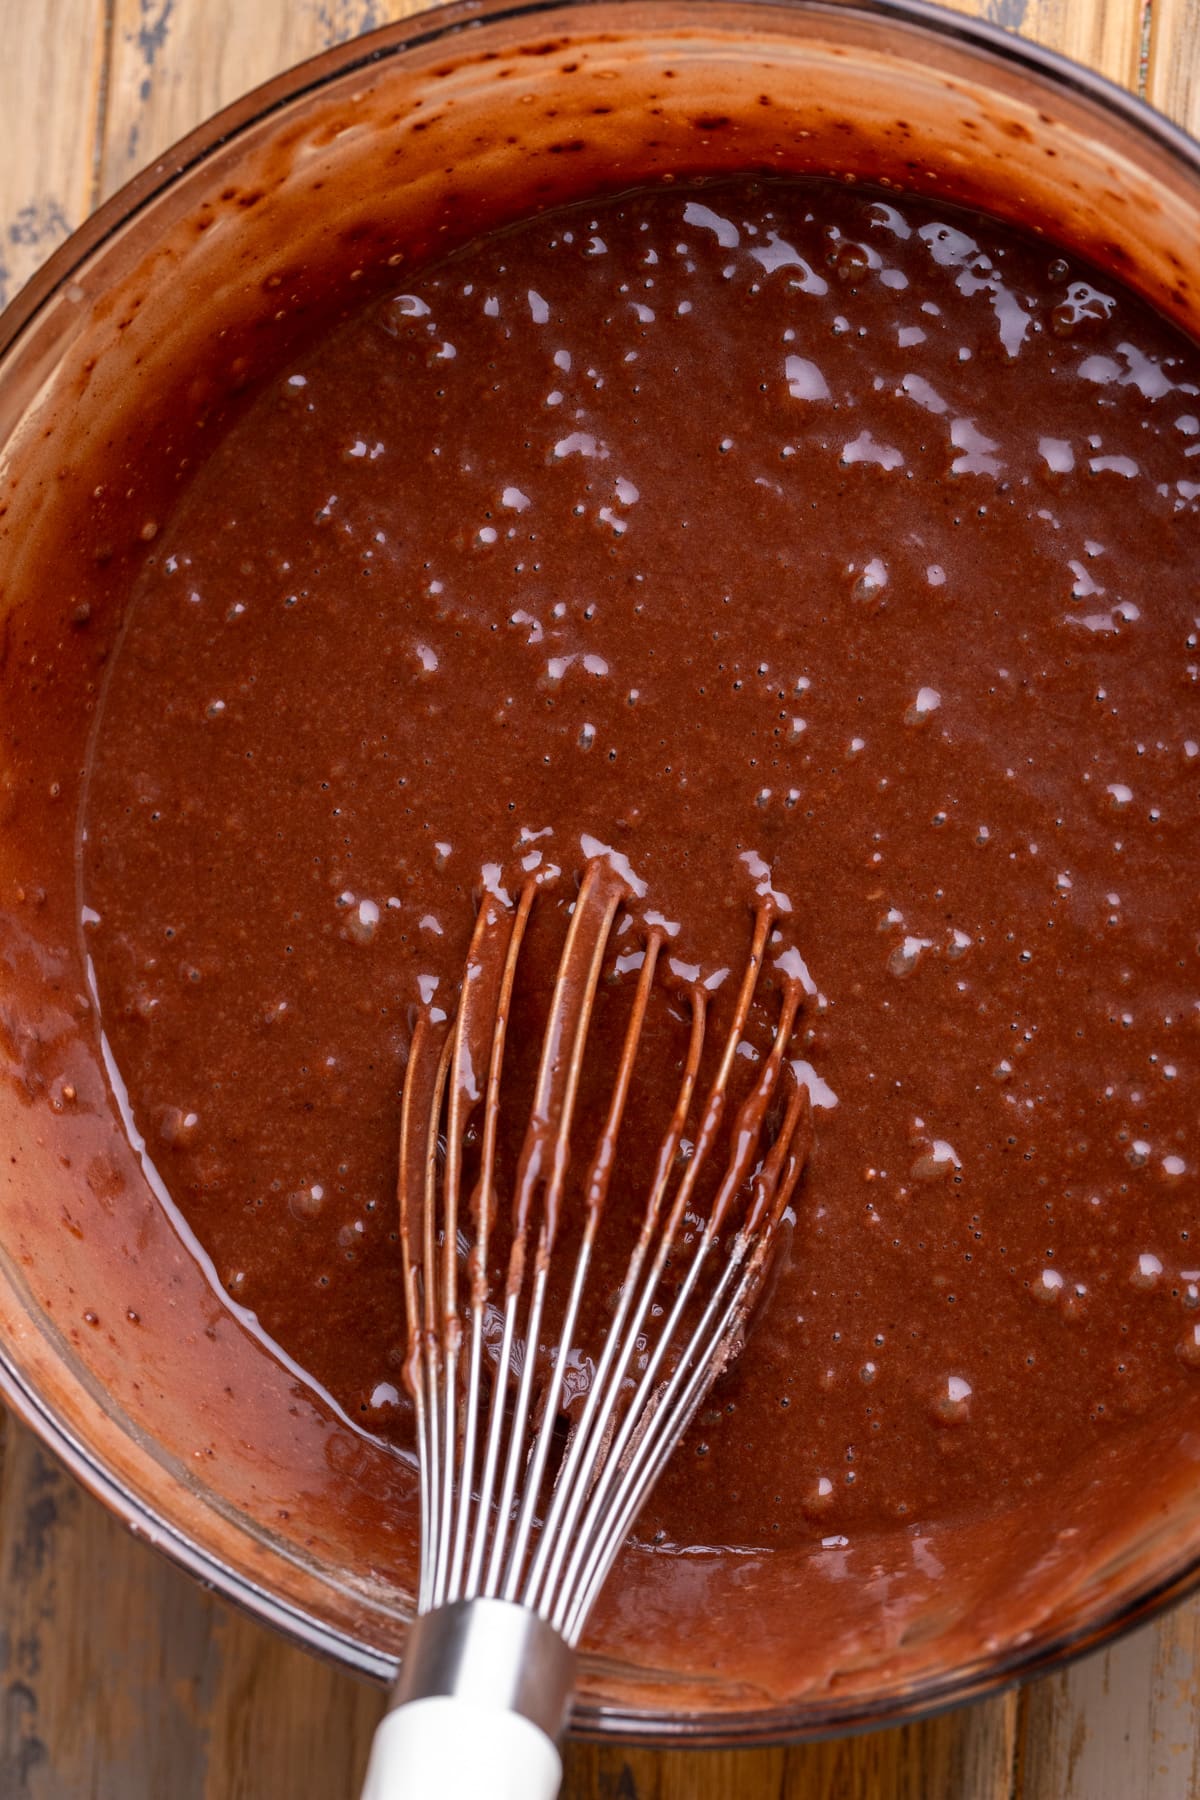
[{"x": 529, "y": 1486}]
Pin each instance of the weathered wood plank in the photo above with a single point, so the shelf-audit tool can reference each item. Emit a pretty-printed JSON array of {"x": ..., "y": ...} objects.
[
  {"x": 961, "y": 1756},
  {"x": 106, "y": 1667},
  {"x": 280, "y": 1723},
  {"x": 1123, "y": 1724},
  {"x": 1105, "y": 34},
  {"x": 1173, "y": 69},
  {"x": 174, "y": 63},
  {"x": 964, "y": 1755},
  {"x": 122, "y": 1681},
  {"x": 51, "y": 70}
]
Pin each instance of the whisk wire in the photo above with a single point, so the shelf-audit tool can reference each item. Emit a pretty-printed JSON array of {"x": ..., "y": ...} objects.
[
  {"x": 609, "y": 1465},
  {"x": 415, "y": 1106},
  {"x": 516, "y": 1437},
  {"x": 441, "y": 1347},
  {"x": 670, "y": 1411},
  {"x": 480, "y": 1017},
  {"x": 488, "y": 1528},
  {"x": 484, "y": 1214},
  {"x": 567, "y": 1496},
  {"x": 564, "y": 999}
]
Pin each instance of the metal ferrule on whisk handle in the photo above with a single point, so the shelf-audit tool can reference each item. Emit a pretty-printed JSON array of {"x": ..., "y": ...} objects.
[
  {"x": 481, "y": 1701},
  {"x": 526, "y": 1499}
]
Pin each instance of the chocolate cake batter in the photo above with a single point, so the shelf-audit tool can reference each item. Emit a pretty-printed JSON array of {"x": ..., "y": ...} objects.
[{"x": 761, "y": 531}]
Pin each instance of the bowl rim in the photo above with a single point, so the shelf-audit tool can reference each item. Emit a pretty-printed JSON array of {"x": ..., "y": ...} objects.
[{"x": 742, "y": 1728}]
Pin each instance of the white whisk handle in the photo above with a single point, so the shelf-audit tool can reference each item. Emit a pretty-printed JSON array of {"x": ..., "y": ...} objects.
[
  {"x": 481, "y": 1698},
  {"x": 446, "y": 1749}
]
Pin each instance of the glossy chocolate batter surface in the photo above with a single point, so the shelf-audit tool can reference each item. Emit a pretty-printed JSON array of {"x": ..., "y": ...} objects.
[{"x": 743, "y": 527}]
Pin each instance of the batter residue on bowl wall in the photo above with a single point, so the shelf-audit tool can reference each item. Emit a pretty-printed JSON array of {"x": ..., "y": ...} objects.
[{"x": 759, "y": 523}]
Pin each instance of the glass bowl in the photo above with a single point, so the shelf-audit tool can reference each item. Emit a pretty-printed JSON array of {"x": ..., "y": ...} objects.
[{"x": 116, "y": 1342}]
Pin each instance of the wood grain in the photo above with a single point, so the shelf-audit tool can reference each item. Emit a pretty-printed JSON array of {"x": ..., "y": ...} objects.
[
  {"x": 122, "y": 1679},
  {"x": 176, "y": 61},
  {"x": 48, "y": 176},
  {"x": 1120, "y": 1724},
  {"x": 1173, "y": 66},
  {"x": 1105, "y": 34},
  {"x": 967, "y": 1755}
]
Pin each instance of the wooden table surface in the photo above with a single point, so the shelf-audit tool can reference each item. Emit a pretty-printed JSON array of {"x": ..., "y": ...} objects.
[{"x": 122, "y": 1679}]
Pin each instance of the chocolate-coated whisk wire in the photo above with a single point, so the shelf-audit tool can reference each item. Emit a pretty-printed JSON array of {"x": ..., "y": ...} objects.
[{"x": 485, "y": 1484}]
